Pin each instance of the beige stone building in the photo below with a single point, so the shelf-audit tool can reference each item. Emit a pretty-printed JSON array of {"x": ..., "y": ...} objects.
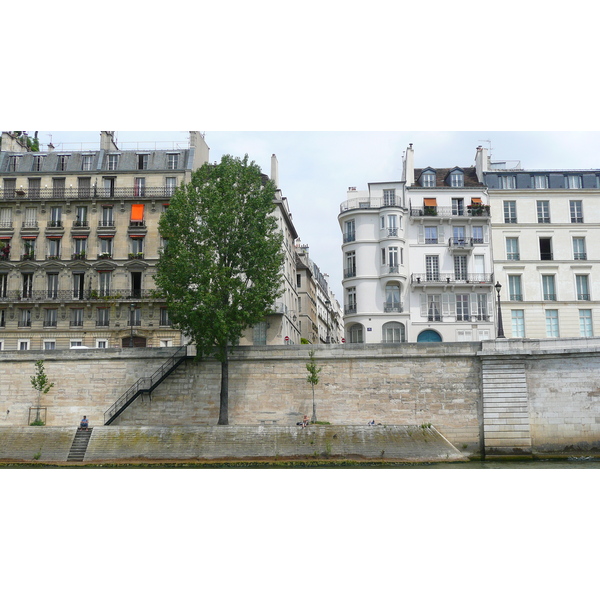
[{"x": 79, "y": 243}]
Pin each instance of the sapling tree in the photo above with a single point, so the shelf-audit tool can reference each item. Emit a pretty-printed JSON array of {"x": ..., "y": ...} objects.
[
  {"x": 313, "y": 379},
  {"x": 220, "y": 271},
  {"x": 41, "y": 384}
]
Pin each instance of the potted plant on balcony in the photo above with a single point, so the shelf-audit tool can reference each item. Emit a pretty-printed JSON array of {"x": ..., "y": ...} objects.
[
  {"x": 430, "y": 211},
  {"x": 104, "y": 255}
]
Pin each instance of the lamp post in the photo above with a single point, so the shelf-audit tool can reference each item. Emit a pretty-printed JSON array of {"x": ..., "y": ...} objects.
[
  {"x": 500, "y": 327},
  {"x": 132, "y": 306}
]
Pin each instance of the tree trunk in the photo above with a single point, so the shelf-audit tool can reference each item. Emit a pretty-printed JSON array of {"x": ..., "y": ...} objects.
[{"x": 224, "y": 405}]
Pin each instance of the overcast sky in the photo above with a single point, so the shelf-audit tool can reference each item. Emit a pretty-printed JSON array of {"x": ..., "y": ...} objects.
[{"x": 316, "y": 168}]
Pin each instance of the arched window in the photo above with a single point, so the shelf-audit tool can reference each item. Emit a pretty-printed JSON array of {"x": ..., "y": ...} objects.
[
  {"x": 393, "y": 333},
  {"x": 429, "y": 335},
  {"x": 392, "y": 298},
  {"x": 356, "y": 334}
]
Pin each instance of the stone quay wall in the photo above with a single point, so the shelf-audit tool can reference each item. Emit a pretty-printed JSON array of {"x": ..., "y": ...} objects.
[{"x": 407, "y": 384}]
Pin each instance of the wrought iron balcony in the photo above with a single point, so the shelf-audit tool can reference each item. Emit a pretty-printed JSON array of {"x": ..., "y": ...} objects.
[
  {"x": 349, "y": 273},
  {"x": 446, "y": 211},
  {"x": 349, "y": 237},
  {"x": 83, "y": 193},
  {"x": 350, "y": 309},
  {"x": 393, "y": 307},
  {"x": 460, "y": 243},
  {"x": 451, "y": 278},
  {"x": 77, "y": 295}
]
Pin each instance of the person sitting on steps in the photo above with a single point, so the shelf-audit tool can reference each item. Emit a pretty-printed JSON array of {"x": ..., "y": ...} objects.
[{"x": 84, "y": 423}]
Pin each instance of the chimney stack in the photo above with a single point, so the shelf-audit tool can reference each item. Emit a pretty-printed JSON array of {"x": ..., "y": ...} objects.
[{"x": 275, "y": 170}]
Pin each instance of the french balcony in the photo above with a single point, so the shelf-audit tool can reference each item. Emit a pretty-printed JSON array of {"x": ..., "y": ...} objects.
[
  {"x": 79, "y": 295},
  {"x": 580, "y": 256},
  {"x": 103, "y": 323},
  {"x": 50, "y": 323},
  {"x": 73, "y": 193},
  {"x": 460, "y": 243},
  {"x": 350, "y": 309},
  {"x": 583, "y": 297},
  {"x": 390, "y": 270},
  {"x": 516, "y": 297},
  {"x": 76, "y": 323},
  {"x": 349, "y": 273},
  {"x": 550, "y": 297},
  {"x": 392, "y": 232},
  {"x": 78, "y": 256},
  {"x": 349, "y": 237},
  {"x": 134, "y": 322},
  {"x": 393, "y": 307},
  {"x": 423, "y": 279}
]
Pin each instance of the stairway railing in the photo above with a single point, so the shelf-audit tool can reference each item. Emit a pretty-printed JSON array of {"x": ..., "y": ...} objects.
[{"x": 145, "y": 385}]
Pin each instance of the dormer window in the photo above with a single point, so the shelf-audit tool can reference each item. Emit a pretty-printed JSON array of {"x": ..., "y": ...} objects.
[
  {"x": 457, "y": 179},
  {"x": 63, "y": 159},
  {"x": 573, "y": 182},
  {"x": 142, "y": 162},
  {"x": 172, "y": 161},
  {"x": 112, "y": 161},
  {"x": 428, "y": 179},
  {"x": 37, "y": 163}
]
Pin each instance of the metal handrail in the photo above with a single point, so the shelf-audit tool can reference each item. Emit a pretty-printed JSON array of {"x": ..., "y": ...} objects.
[
  {"x": 72, "y": 296},
  {"x": 144, "y": 385},
  {"x": 87, "y": 193},
  {"x": 428, "y": 278}
]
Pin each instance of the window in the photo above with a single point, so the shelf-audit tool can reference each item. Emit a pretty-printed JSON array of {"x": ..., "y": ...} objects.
[
  {"x": 134, "y": 317},
  {"x": 107, "y": 217},
  {"x": 351, "y": 306},
  {"x": 507, "y": 182},
  {"x": 76, "y": 317},
  {"x": 393, "y": 333},
  {"x": 75, "y": 343},
  {"x": 392, "y": 298},
  {"x": 2, "y": 319},
  {"x": 137, "y": 246},
  {"x": 464, "y": 335},
  {"x": 350, "y": 264},
  {"x": 30, "y": 217},
  {"x": 573, "y": 182},
  {"x": 543, "y": 211},
  {"x": 27, "y": 285},
  {"x": 6, "y": 217},
  {"x": 78, "y": 286},
  {"x": 579, "y": 252},
  {"x": 510, "y": 211},
  {"x": 53, "y": 249},
  {"x": 462, "y": 307},
  {"x": 84, "y": 187},
  {"x": 10, "y": 188},
  {"x": 460, "y": 268},
  {"x": 518, "y": 323},
  {"x": 52, "y": 282},
  {"x": 112, "y": 162},
  {"x": 13, "y": 163},
  {"x": 458, "y": 235},
  {"x": 101, "y": 343},
  {"x": 583, "y": 290},
  {"x": 540, "y": 182},
  {"x": 34, "y": 188},
  {"x": 103, "y": 317},
  {"x": 81, "y": 217},
  {"x": 86, "y": 162},
  {"x": 58, "y": 188},
  {"x": 512, "y": 249},
  {"x": 109, "y": 187},
  {"x": 576, "y": 211},
  {"x": 38, "y": 161},
  {"x": 165, "y": 321},
  {"x": 478, "y": 234},
  {"x": 55, "y": 217},
  {"x": 171, "y": 184},
  {"x": 393, "y": 259},
  {"x": 137, "y": 215},
  {"x": 350, "y": 231},
  {"x": 61, "y": 164},
  {"x": 432, "y": 268},
  {"x": 389, "y": 197},
  {"x": 79, "y": 248},
  {"x": 428, "y": 179},
  {"x": 139, "y": 189},
  {"x": 552, "y": 323},
  {"x": 458, "y": 206},
  {"x": 434, "y": 307},
  {"x": 24, "y": 317},
  {"x": 104, "y": 278},
  {"x": 142, "y": 162},
  {"x": 49, "y": 344},
  {"x": 23, "y": 344},
  {"x": 172, "y": 160},
  {"x": 515, "y": 293},
  {"x": 482, "y": 307},
  {"x": 548, "y": 287},
  {"x": 51, "y": 317},
  {"x": 356, "y": 334},
  {"x": 456, "y": 179},
  {"x": 106, "y": 245},
  {"x": 392, "y": 226},
  {"x": 298, "y": 280},
  {"x": 431, "y": 235},
  {"x": 585, "y": 323},
  {"x": 545, "y": 248},
  {"x": 3, "y": 285}
]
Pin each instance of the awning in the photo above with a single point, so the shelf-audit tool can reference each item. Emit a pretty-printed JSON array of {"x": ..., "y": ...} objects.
[
  {"x": 429, "y": 201},
  {"x": 137, "y": 236},
  {"x": 107, "y": 237},
  {"x": 29, "y": 237},
  {"x": 137, "y": 212},
  {"x": 54, "y": 237},
  {"x": 475, "y": 200},
  {"x": 5, "y": 237},
  {"x": 80, "y": 237}
]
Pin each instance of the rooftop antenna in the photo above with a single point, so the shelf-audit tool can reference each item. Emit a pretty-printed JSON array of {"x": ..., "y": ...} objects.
[{"x": 490, "y": 143}]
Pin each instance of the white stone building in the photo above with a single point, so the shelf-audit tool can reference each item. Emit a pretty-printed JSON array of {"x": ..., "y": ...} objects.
[{"x": 545, "y": 232}]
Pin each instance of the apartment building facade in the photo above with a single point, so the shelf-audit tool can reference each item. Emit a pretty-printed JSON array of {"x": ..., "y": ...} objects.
[
  {"x": 545, "y": 232},
  {"x": 79, "y": 243},
  {"x": 417, "y": 258}
]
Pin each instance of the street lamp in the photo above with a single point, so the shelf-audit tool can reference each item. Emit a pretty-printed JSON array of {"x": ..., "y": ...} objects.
[
  {"x": 500, "y": 327},
  {"x": 132, "y": 306}
]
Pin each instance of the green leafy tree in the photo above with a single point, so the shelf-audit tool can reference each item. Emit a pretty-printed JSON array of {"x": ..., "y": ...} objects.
[
  {"x": 221, "y": 269},
  {"x": 41, "y": 384},
  {"x": 313, "y": 378}
]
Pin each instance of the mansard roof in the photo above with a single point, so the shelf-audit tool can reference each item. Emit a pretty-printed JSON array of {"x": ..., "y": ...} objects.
[{"x": 470, "y": 176}]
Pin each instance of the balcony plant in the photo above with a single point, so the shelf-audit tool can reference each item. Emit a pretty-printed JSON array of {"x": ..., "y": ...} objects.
[
  {"x": 133, "y": 255},
  {"x": 104, "y": 255},
  {"x": 430, "y": 211}
]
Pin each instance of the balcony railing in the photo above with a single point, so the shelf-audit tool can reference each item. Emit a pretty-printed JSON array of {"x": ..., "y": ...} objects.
[
  {"x": 349, "y": 273},
  {"x": 446, "y": 211},
  {"x": 446, "y": 278},
  {"x": 550, "y": 297},
  {"x": 460, "y": 242},
  {"x": 393, "y": 307},
  {"x": 583, "y": 297},
  {"x": 392, "y": 232},
  {"x": 350, "y": 309},
  {"x": 349, "y": 237},
  {"x": 50, "y": 323},
  {"x": 76, "y": 295},
  {"x": 85, "y": 193},
  {"x": 516, "y": 297},
  {"x": 580, "y": 256}
]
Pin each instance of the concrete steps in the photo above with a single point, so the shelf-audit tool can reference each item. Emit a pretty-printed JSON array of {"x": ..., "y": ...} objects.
[
  {"x": 505, "y": 408},
  {"x": 79, "y": 445}
]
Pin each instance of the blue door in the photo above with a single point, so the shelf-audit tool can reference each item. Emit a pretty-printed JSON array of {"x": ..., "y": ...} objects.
[{"x": 429, "y": 335}]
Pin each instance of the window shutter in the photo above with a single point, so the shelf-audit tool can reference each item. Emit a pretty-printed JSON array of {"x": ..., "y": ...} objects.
[
  {"x": 448, "y": 305},
  {"x": 423, "y": 300},
  {"x": 421, "y": 236},
  {"x": 441, "y": 239},
  {"x": 473, "y": 304}
]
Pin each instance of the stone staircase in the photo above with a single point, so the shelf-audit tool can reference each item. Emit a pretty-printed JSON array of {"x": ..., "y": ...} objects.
[
  {"x": 79, "y": 445},
  {"x": 506, "y": 424}
]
